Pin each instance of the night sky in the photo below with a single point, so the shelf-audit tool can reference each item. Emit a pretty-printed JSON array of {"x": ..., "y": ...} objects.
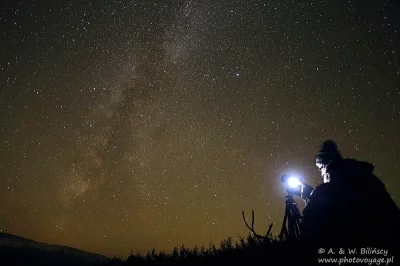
[{"x": 132, "y": 125}]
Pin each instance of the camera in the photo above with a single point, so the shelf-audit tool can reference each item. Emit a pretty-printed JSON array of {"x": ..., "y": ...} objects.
[{"x": 295, "y": 186}]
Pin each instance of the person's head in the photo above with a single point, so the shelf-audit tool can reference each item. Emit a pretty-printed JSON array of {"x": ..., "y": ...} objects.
[{"x": 327, "y": 154}]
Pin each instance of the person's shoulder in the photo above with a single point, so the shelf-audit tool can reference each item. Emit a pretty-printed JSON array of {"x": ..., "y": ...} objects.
[
  {"x": 357, "y": 165},
  {"x": 348, "y": 169}
]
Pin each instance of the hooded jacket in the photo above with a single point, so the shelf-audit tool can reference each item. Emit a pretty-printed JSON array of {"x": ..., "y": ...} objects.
[{"x": 353, "y": 209}]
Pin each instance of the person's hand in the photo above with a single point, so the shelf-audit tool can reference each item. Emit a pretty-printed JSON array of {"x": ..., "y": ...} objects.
[{"x": 295, "y": 191}]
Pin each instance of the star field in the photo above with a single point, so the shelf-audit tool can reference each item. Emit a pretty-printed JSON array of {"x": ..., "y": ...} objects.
[{"x": 132, "y": 125}]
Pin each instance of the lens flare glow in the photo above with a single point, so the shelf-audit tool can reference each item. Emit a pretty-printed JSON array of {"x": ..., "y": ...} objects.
[{"x": 293, "y": 182}]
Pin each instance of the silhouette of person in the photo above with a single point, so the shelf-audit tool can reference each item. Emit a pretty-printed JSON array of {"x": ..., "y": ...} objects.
[{"x": 352, "y": 207}]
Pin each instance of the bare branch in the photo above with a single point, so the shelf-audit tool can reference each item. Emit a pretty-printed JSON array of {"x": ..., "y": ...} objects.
[
  {"x": 269, "y": 229},
  {"x": 252, "y": 226},
  {"x": 252, "y": 219}
]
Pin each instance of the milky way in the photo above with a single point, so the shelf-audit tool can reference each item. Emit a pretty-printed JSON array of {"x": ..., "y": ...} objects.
[{"x": 134, "y": 125}]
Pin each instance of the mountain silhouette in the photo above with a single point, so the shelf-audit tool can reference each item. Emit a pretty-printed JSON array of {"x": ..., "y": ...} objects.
[{"x": 20, "y": 251}]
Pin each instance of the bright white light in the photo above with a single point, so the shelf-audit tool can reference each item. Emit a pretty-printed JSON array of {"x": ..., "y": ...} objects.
[{"x": 293, "y": 182}]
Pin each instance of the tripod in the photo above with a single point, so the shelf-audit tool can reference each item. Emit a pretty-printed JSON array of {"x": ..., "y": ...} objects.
[{"x": 291, "y": 222}]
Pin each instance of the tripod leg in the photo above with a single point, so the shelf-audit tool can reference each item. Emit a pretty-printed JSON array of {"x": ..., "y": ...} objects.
[
  {"x": 294, "y": 221},
  {"x": 297, "y": 219},
  {"x": 283, "y": 230},
  {"x": 292, "y": 229}
]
